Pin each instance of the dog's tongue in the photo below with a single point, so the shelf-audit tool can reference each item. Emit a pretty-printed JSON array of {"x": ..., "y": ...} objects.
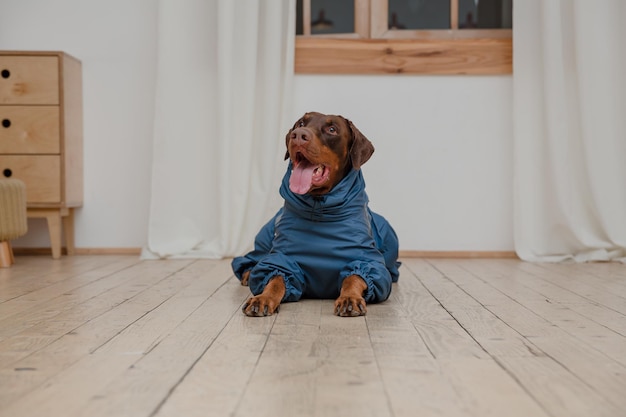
[{"x": 301, "y": 178}]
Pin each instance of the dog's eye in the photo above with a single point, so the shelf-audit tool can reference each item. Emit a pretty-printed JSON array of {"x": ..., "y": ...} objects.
[
  {"x": 332, "y": 130},
  {"x": 300, "y": 123}
]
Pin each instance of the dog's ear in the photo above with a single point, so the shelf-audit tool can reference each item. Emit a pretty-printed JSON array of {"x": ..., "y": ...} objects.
[
  {"x": 361, "y": 149},
  {"x": 287, "y": 137},
  {"x": 287, "y": 144}
]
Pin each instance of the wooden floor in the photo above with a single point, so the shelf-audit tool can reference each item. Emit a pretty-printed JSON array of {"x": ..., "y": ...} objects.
[{"x": 116, "y": 336}]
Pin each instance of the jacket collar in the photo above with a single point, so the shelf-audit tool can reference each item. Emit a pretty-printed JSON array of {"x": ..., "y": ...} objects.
[{"x": 341, "y": 202}]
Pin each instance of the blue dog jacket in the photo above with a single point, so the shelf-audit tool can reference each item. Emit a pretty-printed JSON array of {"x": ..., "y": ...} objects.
[{"x": 315, "y": 242}]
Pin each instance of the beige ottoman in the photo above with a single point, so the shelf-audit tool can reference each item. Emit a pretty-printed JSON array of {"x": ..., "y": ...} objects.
[{"x": 13, "y": 222}]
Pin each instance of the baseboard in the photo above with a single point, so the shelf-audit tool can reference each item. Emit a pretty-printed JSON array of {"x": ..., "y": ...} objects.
[
  {"x": 108, "y": 251},
  {"x": 403, "y": 253},
  {"x": 459, "y": 254},
  {"x": 79, "y": 251}
]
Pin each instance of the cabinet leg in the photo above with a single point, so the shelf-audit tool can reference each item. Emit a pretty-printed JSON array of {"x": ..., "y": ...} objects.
[
  {"x": 68, "y": 228},
  {"x": 54, "y": 228},
  {"x": 54, "y": 217}
]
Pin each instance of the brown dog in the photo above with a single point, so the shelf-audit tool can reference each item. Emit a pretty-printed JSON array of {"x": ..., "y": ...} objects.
[{"x": 325, "y": 233}]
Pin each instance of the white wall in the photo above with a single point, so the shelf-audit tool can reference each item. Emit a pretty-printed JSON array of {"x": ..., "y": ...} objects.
[
  {"x": 116, "y": 42},
  {"x": 441, "y": 173}
]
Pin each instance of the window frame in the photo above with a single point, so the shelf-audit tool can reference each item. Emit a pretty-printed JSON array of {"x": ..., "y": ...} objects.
[{"x": 375, "y": 49}]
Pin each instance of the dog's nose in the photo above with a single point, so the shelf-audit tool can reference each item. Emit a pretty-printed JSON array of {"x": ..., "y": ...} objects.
[{"x": 300, "y": 136}]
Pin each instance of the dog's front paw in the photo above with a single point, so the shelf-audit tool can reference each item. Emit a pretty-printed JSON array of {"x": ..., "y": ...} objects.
[
  {"x": 348, "y": 306},
  {"x": 260, "y": 306},
  {"x": 245, "y": 277}
]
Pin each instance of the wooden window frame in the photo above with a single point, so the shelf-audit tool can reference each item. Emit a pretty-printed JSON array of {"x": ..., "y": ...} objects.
[{"x": 375, "y": 49}]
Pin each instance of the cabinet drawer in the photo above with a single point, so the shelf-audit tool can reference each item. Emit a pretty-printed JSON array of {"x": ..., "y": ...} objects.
[
  {"x": 29, "y": 79},
  {"x": 40, "y": 173},
  {"x": 29, "y": 129}
]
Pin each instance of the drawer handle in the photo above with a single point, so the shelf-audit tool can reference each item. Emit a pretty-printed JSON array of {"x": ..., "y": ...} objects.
[
  {"x": 7, "y": 173},
  {"x": 6, "y": 123},
  {"x": 6, "y": 73}
]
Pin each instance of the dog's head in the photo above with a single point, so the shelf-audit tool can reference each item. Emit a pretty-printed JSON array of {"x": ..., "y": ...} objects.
[{"x": 323, "y": 149}]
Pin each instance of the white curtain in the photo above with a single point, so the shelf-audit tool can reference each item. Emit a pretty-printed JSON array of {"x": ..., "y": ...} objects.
[
  {"x": 570, "y": 129},
  {"x": 224, "y": 75}
]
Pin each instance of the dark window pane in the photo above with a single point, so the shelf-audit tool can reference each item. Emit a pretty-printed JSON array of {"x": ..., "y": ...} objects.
[
  {"x": 485, "y": 14},
  {"x": 332, "y": 16},
  {"x": 419, "y": 14},
  {"x": 299, "y": 25}
]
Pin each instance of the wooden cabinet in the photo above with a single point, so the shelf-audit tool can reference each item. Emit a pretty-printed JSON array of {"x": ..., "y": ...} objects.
[{"x": 41, "y": 136}]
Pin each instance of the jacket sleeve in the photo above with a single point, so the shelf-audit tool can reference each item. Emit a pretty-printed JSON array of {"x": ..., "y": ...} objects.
[
  {"x": 275, "y": 264},
  {"x": 262, "y": 246},
  {"x": 387, "y": 243},
  {"x": 375, "y": 275}
]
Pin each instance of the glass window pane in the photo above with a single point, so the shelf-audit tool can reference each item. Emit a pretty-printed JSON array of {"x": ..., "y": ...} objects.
[
  {"x": 419, "y": 14},
  {"x": 299, "y": 24},
  {"x": 332, "y": 16},
  {"x": 485, "y": 14}
]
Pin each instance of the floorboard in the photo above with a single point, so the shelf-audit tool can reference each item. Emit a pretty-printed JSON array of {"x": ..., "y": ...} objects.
[{"x": 109, "y": 335}]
